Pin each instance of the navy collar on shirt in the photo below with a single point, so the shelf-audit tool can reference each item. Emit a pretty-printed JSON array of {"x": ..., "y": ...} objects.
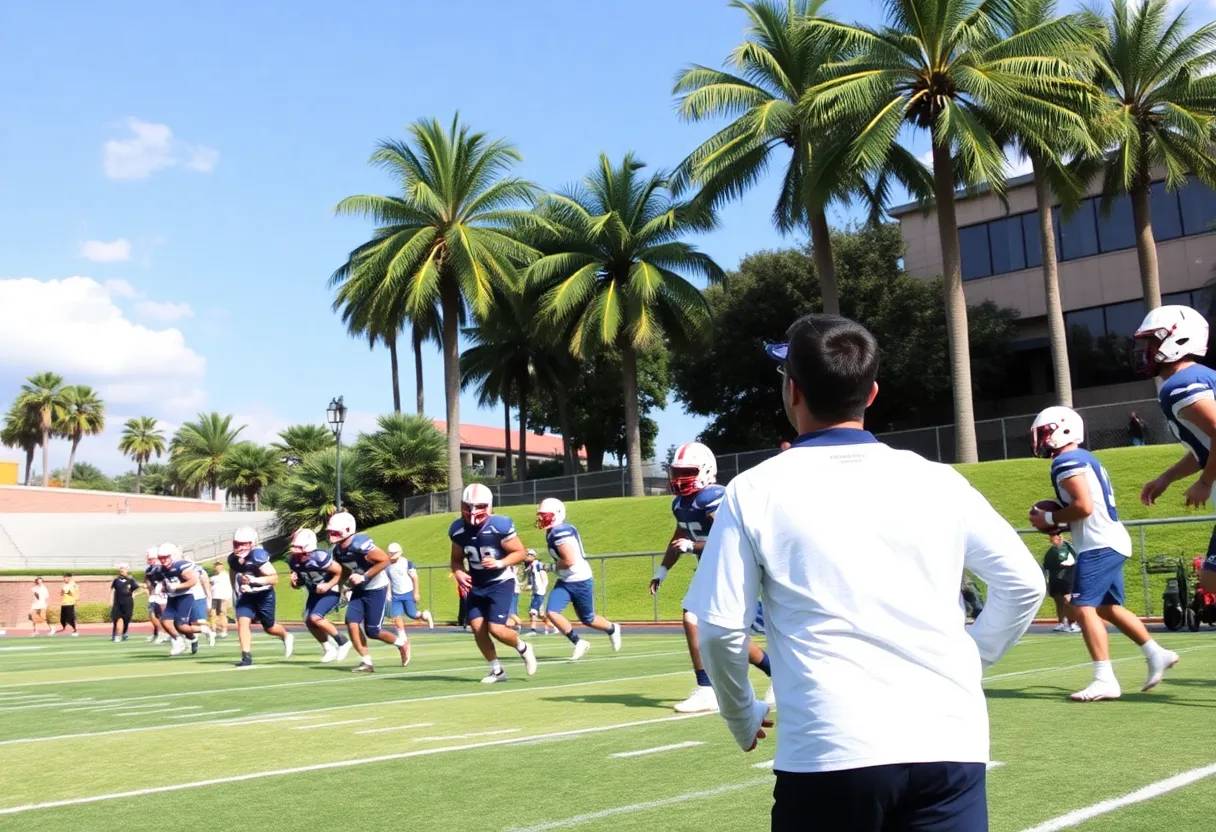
[{"x": 834, "y": 436}]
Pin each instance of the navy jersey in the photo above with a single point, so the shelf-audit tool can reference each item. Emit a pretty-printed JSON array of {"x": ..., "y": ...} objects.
[
  {"x": 1101, "y": 529},
  {"x": 565, "y": 533},
  {"x": 251, "y": 565},
  {"x": 177, "y": 572},
  {"x": 694, "y": 513},
  {"x": 153, "y": 575},
  {"x": 485, "y": 541},
  {"x": 312, "y": 569},
  {"x": 353, "y": 556},
  {"x": 1182, "y": 390}
]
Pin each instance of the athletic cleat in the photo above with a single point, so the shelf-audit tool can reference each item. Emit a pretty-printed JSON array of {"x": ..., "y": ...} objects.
[
  {"x": 343, "y": 651},
  {"x": 193, "y": 647},
  {"x": 150, "y": 639},
  {"x": 500, "y": 676},
  {"x": 529, "y": 657},
  {"x": 363, "y": 667},
  {"x": 404, "y": 650},
  {"x": 580, "y": 649},
  {"x": 1098, "y": 691},
  {"x": 1062, "y": 627},
  {"x": 288, "y": 643},
  {"x": 1156, "y": 669},
  {"x": 124, "y": 638},
  {"x": 115, "y": 639},
  {"x": 770, "y": 698},
  {"x": 245, "y": 662},
  {"x": 1074, "y": 627},
  {"x": 211, "y": 639},
  {"x": 428, "y": 618},
  {"x": 328, "y": 652},
  {"x": 53, "y": 631},
  {"x": 615, "y": 638},
  {"x": 178, "y": 647},
  {"x": 701, "y": 700}
]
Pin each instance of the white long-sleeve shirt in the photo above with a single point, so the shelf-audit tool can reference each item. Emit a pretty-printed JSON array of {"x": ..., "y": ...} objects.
[{"x": 858, "y": 550}]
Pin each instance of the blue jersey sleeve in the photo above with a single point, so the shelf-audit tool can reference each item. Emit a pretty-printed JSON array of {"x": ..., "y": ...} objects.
[
  {"x": 709, "y": 498},
  {"x": 675, "y": 507},
  {"x": 561, "y": 534},
  {"x": 259, "y": 557},
  {"x": 455, "y": 529},
  {"x": 1186, "y": 389},
  {"x": 321, "y": 559},
  {"x": 362, "y": 543},
  {"x": 504, "y": 527}
]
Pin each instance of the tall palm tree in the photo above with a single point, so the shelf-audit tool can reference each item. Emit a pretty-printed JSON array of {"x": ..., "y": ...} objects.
[
  {"x": 1156, "y": 78},
  {"x": 449, "y": 239},
  {"x": 424, "y": 328},
  {"x": 946, "y": 66},
  {"x": 301, "y": 440},
  {"x": 612, "y": 272},
  {"x": 248, "y": 468},
  {"x": 198, "y": 450},
  {"x": 141, "y": 438},
  {"x": 84, "y": 414},
  {"x": 42, "y": 395},
  {"x": 20, "y": 430}
]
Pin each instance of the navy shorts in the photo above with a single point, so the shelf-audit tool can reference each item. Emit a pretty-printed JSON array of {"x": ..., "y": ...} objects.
[
  {"x": 579, "y": 593},
  {"x": 319, "y": 606},
  {"x": 198, "y": 610},
  {"x": 178, "y": 609},
  {"x": 907, "y": 797},
  {"x": 1209, "y": 563},
  {"x": 257, "y": 606},
  {"x": 403, "y": 606},
  {"x": 538, "y": 603},
  {"x": 492, "y": 602},
  {"x": 156, "y": 609},
  {"x": 367, "y": 607},
  {"x": 1097, "y": 579}
]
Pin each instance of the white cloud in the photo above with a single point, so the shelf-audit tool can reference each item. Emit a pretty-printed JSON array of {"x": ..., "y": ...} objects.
[
  {"x": 153, "y": 148},
  {"x": 926, "y": 158},
  {"x": 165, "y": 313},
  {"x": 73, "y": 327},
  {"x": 118, "y": 251},
  {"x": 121, "y": 289}
]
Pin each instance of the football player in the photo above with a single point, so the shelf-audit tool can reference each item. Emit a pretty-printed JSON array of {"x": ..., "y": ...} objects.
[
  {"x": 201, "y": 606},
  {"x": 575, "y": 583},
  {"x": 180, "y": 577},
  {"x": 156, "y": 597},
  {"x": 404, "y": 590},
  {"x": 253, "y": 580},
  {"x": 538, "y": 584},
  {"x": 491, "y": 547},
  {"x": 1083, "y": 487},
  {"x": 316, "y": 571},
  {"x": 693, "y": 478},
  {"x": 364, "y": 564},
  {"x": 1167, "y": 344}
]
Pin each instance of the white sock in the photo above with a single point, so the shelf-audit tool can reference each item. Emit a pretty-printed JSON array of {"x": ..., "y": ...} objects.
[
  {"x": 496, "y": 667},
  {"x": 401, "y": 640},
  {"x": 367, "y": 660},
  {"x": 1103, "y": 672},
  {"x": 1151, "y": 649}
]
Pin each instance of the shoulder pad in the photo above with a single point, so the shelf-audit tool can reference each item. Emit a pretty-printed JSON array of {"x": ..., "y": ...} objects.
[
  {"x": 502, "y": 524},
  {"x": 259, "y": 556},
  {"x": 709, "y": 497},
  {"x": 362, "y": 543}
]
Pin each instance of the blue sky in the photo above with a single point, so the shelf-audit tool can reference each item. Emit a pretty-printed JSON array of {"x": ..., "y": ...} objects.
[{"x": 171, "y": 173}]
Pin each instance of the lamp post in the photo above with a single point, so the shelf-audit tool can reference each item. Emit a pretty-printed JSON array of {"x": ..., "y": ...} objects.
[{"x": 335, "y": 414}]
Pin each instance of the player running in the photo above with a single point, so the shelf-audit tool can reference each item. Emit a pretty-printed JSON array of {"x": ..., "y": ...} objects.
[
  {"x": 180, "y": 578},
  {"x": 315, "y": 570},
  {"x": 156, "y": 597},
  {"x": 200, "y": 609},
  {"x": 1168, "y": 341},
  {"x": 364, "y": 564},
  {"x": 492, "y": 548},
  {"x": 253, "y": 580},
  {"x": 1083, "y": 487},
  {"x": 538, "y": 586},
  {"x": 575, "y": 583},
  {"x": 404, "y": 590},
  {"x": 693, "y": 479}
]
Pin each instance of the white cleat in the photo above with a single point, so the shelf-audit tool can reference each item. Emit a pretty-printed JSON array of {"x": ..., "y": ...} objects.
[
  {"x": 529, "y": 657},
  {"x": 1074, "y": 627},
  {"x": 1098, "y": 691},
  {"x": 178, "y": 647},
  {"x": 1062, "y": 627},
  {"x": 430, "y": 621},
  {"x": 53, "y": 631},
  {"x": 343, "y": 650},
  {"x": 163, "y": 639},
  {"x": 288, "y": 644},
  {"x": 1156, "y": 668},
  {"x": 615, "y": 638},
  {"x": 500, "y": 676},
  {"x": 770, "y": 698},
  {"x": 701, "y": 700},
  {"x": 211, "y": 639},
  {"x": 115, "y": 639},
  {"x": 580, "y": 649},
  {"x": 328, "y": 652}
]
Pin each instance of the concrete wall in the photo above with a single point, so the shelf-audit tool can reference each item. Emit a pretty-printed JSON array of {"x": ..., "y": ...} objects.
[
  {"x": 35, "y": 500},
  {"x": 16, "y": 595}
]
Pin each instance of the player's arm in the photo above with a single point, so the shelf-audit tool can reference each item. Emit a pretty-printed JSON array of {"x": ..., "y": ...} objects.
[
  {"x": 111, "y": 594},
  {"x": 462, "y": 578},
  {"x": 1202, "y": 414},
  {"x": 681, "y": 542},
  {"x": 334, "y": 570},
  {"x": 188, "y": 580},
  {"x": 513, "y": 553},
  {"x": 1082, "y": 504},
  {"x": 379, "y": 560},
  {"x": 206, "y": 588},
  {"x": 413, "y": 573},
  {"x": 267, "y": 576},
  {"x": 564, "y": 554}
]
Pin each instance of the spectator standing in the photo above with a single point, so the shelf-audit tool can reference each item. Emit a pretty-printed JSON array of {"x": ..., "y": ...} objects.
[
  {"x": 1136, "y": 429},
  {"x": 884, "y": 724},
  {"x": 221, "y": 599},
  {"x": 1058, "y": 564},
  {"x": 122, "y": 602},
  {"x": 38, "y": 608},
  {"x": 69, "y": 594}
]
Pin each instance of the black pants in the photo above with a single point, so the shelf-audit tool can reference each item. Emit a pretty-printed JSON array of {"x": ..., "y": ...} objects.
[
  {"x": 912, "y": 797},
  {"x": 462, "y": 614},
  {"x": 67, "y": 617},
  {"x": 122, "y": 611}
]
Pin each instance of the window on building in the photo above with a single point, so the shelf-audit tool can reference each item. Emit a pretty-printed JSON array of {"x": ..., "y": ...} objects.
[
  {"x": 1116, "y": 231},
  {"x": 1167, "y": 221},
  {"x": 1008, "y": 249},
  {"x": 1179, "y": 299},
  {"x": 1198, "y": 207},
  {"x": 1034, "y": 246},
  {"x": 1078, "y": 233},
  {"x": 973, "y": 248}
]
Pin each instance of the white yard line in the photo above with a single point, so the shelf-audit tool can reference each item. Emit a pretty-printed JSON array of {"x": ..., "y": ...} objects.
[
  {"x": 657, "y": 749},
  {"x": 238, "y": 722},
  {"x": 765, "y": 764},
  {"x": 190, "y": 716},
  {"x": 437, "y": 698},
  {"x": 391, "y": 728},
  {"x": 333, "y": 724},
  {"x": 468, "y": 736},
  {"x": 577, "y": 820},
  {"x": 1150, "y": 791},
  {"x": 340, "y": 764},
  {"x": 146, "y": 676},
  {"x": 95, "y": 708},
  {"x": 994, "y": 764}
]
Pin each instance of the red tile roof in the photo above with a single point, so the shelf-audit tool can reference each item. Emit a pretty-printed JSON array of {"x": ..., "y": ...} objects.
[{"x": 482, "y": 438}]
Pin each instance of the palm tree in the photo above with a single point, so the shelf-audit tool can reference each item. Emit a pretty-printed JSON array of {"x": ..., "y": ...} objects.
[
  {"x": 198, "y": 450},
  {"x": 449, "y": 239},
  {"x": 248, "y": 468},
  {"x": 20, "y": 430},
  {"x": 301, "y": 440},
  {"x": 306, "y": 498},
  {"x": 1156, "y": 78},
  {"x": 43, "y": 396},
  {"x": 424, "y": 328},
  {"x": 405, "y": 456},
  {"x": 84, "y": 414},
  {"x": 612, "y": 273},
  {"x": 946, "y": 66},
  {"x": 141, "y": 438}
]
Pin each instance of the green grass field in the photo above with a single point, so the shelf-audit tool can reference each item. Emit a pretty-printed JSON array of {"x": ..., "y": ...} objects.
[{"x": 100, "y": 736}]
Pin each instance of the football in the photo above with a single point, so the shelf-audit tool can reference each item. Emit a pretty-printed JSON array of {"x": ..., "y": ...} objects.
[{"x": 1050, "y": 505}]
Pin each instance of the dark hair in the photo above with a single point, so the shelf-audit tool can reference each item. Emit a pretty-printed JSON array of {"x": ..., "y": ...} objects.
[
  {"x": 834, "y": 362},
  {"x": 67, "y": 574}
]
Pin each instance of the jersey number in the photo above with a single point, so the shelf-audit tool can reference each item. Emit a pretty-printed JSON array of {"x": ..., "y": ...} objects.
[
  {"x": 475, "y": 555},
  {"x": 694, "y": 529}
]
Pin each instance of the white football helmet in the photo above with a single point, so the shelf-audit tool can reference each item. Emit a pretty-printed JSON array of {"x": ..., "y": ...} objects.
[
  {"x": 245, "y": 534},
  {"x": 1169, "y": 334},
  {"x": 394, "y": 550},
  {"x": 1054, "y": 428},
  {"x": 551, "y": 512},
  {"x": 303, "y": 542},
  {"x": 152, "y": 554},
  {"x": 340, "y": 526},
  {"x": 692, "y": 468},
  {"x": 168, "y": 553},
  {"x": 476, "y": 504}
]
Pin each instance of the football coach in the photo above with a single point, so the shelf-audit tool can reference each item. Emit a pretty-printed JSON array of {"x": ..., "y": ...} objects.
[{"x": 858, "y": 549}]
